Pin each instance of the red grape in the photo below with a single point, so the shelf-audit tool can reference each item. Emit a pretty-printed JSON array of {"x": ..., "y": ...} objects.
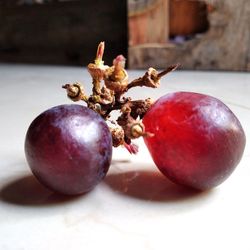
[
  {"x": 69, "y": 149},
  {"x": 197, "y": 141}
]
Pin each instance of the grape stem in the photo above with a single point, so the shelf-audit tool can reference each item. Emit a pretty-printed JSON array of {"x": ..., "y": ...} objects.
[{"x": 109, "y": 86}]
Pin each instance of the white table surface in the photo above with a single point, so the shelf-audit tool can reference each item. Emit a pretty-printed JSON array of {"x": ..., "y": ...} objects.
[{"x": 135, "y": 207}]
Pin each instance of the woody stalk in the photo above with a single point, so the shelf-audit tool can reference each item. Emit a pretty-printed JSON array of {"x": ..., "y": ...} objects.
[{"x": 110, "y": 83}]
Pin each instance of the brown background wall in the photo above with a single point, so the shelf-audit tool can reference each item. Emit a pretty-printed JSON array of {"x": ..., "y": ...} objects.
[{"x": 223, "y": 45}]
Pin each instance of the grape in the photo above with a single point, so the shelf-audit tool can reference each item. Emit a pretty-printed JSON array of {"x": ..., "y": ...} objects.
[
  {"x": 197, "y": 141},
  {"x": 69, "y": 149}
]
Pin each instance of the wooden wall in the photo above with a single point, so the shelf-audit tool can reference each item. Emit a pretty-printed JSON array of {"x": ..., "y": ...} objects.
[
  {"x": 224, "y": 46},
  {"x": 68, "y": 32},
  {"x": 148, "y": 21}
]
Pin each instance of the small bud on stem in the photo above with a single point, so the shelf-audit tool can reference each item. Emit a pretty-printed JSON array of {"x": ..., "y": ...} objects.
[{"x": 99, "y": 53}]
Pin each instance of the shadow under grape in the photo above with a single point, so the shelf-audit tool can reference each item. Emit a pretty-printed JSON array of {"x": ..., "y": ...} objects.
[
  {"x": 145, "y": 185},
  {"x": 150, "y": 186},
  {"x": 27, "y": 191}
]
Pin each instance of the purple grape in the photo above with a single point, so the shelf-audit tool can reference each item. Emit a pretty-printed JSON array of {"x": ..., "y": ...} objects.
[{"x": 69, "y": 149}]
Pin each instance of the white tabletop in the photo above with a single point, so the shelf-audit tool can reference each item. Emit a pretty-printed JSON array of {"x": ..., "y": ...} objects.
[{"x": 135, "y": 207}]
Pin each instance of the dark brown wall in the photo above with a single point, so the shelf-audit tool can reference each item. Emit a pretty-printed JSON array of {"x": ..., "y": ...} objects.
[{"x": 63, "y": 32}]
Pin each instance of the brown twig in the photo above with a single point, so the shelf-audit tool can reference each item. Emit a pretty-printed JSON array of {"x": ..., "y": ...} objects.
[{"x": 109, "y": 96}]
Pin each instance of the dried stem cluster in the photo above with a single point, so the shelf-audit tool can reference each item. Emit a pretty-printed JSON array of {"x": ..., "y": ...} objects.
[{"x": 109, "y": 86}]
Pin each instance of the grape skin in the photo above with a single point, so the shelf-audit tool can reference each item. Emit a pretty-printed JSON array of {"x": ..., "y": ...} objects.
[
  {"x": 69, "y": 149},
  {"x": 197, "y": 141}
]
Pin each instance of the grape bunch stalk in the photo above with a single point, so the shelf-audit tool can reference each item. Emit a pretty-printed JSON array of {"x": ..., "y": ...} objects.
[{"x": 110, "y": 83}]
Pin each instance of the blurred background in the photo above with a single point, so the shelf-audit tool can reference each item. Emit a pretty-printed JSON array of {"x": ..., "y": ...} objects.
[
  {"x": 203, "y": 35},
  {"x": 61, "y": 31}
]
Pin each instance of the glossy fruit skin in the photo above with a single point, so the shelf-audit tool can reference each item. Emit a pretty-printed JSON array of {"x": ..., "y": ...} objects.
[
  {"x": 197, "y": 141},
  {"x": 69, "y": 149}
]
